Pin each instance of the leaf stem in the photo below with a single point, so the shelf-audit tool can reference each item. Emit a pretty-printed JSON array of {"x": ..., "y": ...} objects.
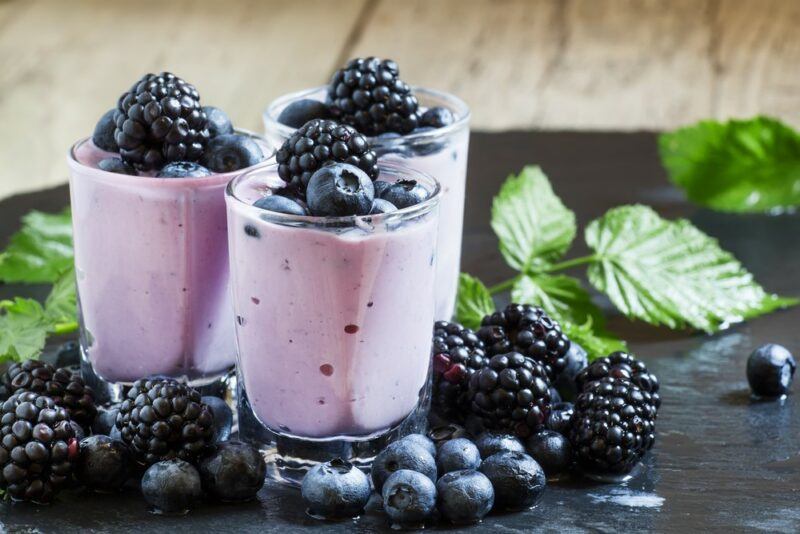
[
  {"x": 571, "y": 263},
  {"x": 64, "y": 328},
  {"x": 502, "y": 286}
]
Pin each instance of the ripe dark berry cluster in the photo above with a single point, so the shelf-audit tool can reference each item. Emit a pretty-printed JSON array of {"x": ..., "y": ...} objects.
[
  {"x": 621, "y": 365},
  {"x": 369, "y": 95},
  {"x": 457, "y": 354}
]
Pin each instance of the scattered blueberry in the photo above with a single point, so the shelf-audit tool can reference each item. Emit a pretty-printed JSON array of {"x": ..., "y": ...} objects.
[
  {"x": 171, "y": 486},
  {"x": 280, "y": 204},
  {"x": 559, "y": 418},
  {"x": 380, "y": 186},
  {"x": 441, "y": 434},
  {"x": 490, "y": 443},
  {"x": 116, "y": 165},
  {"x": 770, "y": 370},
  {"x": 517, "y": 479},
  {"x": 234, "y": 472},
  {"x": 300, "y": 112},
  {"x": 551, "y": 450},
  {"x": 340, "y": 189},
  {"x": 457, "y": 455},
  {"x": 231, "y": 152},
  {"x": 423, "y": 441},
  {"x": 409, "y": 498},
  {"x": 335, "y": 490},
  {"x": 103, "y": 463},
  {"x": 218, "y": 121},
  {"x": 405, "y": 193},
  {"x": 464, "y": 497},
  {"x": 576, "y": 360},
  {"x": 104, "y": 421},
  {"x": 103, "y": 136},
  {"x": 437, "y": 117},
  {"x": 402, "y": 455},
  {"x": 223, "y": 417},
  {"x": 382, "y": 206},
  {"x": 183, "y": 169}
]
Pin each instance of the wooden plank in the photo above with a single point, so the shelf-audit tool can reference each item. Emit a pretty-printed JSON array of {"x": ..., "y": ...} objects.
[{"x": 62, "y": 64}]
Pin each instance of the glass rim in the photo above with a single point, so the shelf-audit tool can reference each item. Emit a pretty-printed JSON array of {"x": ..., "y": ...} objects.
[
  {"x": 215, "y": 177},
  {"x": 343, "y": 221},
  {"x": 458, "y": 106}
]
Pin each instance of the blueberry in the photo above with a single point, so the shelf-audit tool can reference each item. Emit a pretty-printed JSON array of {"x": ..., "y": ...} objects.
[
  {"x": 551, "y": 450},
  {"x": 231, "y": 152},
  {"x": 280, "y": 204},
  {"x": 340, "y": 189},
  {"x": 441, "y": 434},
  {"x": 770, "y": 370},
  {"x": 402, "y": 455},
  {"x": 218, "y": 121},
  {"x": 103, "y": 463},
  {"x": 380, "y": 186},
  {"x": 405, "y": 193},
  {"x": 464, "y": 496},
  {"x": 300, "y": 112},
  {"x": 437, "y": 117},
  {"x": 171, "y": 486},
  {"x": 490, "y": 443},
  {"x": 104, "y": 421},
  {"x": 423, "y": 441},
  {"x": 116, "y": 165},
  {"x": 517, "y": 479},
  {"x": 576, "y": 360},
  {"x": 234, "y": 472},
  {"x": 409, "y": 498},
  {"x": 335, "y": 490},
  {"x": 559, "y": 418},
  {"x": 183, "y": 169},
  {"x": 223, "y": 417},
  {"x": 457, "y": 455},
  {"x": 103, "y": 136},
  {"x": 382, "y": 206}
]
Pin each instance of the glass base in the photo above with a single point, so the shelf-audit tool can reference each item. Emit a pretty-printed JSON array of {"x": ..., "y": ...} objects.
[{"x": 290, "y": 457}]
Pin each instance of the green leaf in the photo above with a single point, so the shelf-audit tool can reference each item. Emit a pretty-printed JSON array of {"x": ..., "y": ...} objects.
[
  {"x": 474, "y": 301},
  {"x": 561, "y": 296},
  {"x": 23, "y": 329},
  {"x": 61, "y": 306},
  {"x": 533, "y": 225},
  {"x": 670, "y": 273},
  {"x": 596, "y": 344},
  {"x": 737, "y": 166},
  {"x": 41, "y": 251}
]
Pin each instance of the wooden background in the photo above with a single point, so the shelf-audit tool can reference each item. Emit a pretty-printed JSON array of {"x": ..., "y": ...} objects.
[{"x": 571, "y": 64}]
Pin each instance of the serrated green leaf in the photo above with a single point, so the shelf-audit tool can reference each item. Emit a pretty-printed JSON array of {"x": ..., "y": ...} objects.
[
  {"x": 670, "y": 273},
  {"x": 736, "y": 166},
  {"x": 595, "y": 344},
  {"x": 533, "y": 225},
  {"x": 40, "y": 251},
  {"x": 561, "y": 296},
  {"x": 23, "y": 329},
  {"x": 61, "y": 305},
  {"x": 474, "y": 301}
]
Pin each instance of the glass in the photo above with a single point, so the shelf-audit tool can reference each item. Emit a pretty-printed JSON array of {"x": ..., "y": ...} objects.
[
  {"x": 333, "y": 325},
  {"x": 440, "y": 152}
]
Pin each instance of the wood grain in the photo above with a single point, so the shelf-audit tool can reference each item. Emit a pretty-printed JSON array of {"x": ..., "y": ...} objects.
[{"x": 520, "y": 64}]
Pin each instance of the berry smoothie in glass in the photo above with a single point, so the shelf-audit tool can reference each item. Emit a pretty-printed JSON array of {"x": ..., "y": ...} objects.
[
  {"x": 420, "y": 128},
  {"x": 150, "y": 237},
  {"x": 333, "y": 291}
]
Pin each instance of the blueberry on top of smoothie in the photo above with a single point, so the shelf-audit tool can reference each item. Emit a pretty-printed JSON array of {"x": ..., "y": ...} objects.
[
  {"x": 116, "y": 165},
  {"x": 405, "y": 193},
  {"x": 437, "y": 117},
  {"x": 281, "y": 204},
  {"x": 103, "y": 136},
  {"x": 183, "y": 169},
  {"x": 340, "y": 189},
  {"x": 301, "y": 111},
  {"x": 218, "y": 121},
  {"x": 231, "y": 152}
]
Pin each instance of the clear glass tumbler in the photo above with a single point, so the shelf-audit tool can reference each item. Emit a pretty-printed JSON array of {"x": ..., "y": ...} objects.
[
  {"x": 333, "y": 324},
  {"x": 439, "y": 152}
]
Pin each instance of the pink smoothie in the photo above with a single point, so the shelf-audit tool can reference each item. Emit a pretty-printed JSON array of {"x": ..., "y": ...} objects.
[
  {"x": 333, "y": 324},
  {"x": 441, "y": 153},
  {"x": 152, "y": 268}
]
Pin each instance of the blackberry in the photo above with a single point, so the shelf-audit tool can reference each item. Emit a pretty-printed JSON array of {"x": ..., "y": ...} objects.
[
  {"x": 612, "y": 427},
  {"x": 369, "y": 95},
  {"x": 318, "y": 142},
  {"x": 37, "y": 448},
  {"x": 511, "y": 394},
  {"x": 621, "y": 365},
  {"x": 528, "y": 330},
  {"x": 161, "y": 419},
  {"x": 65, "y": 387},
  {"x": 160, "y": 120},
  {"x": 457, "y": 353}
]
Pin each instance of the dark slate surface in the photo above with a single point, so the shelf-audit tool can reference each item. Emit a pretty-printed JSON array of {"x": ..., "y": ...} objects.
[{"x": 721, "y": 462}]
